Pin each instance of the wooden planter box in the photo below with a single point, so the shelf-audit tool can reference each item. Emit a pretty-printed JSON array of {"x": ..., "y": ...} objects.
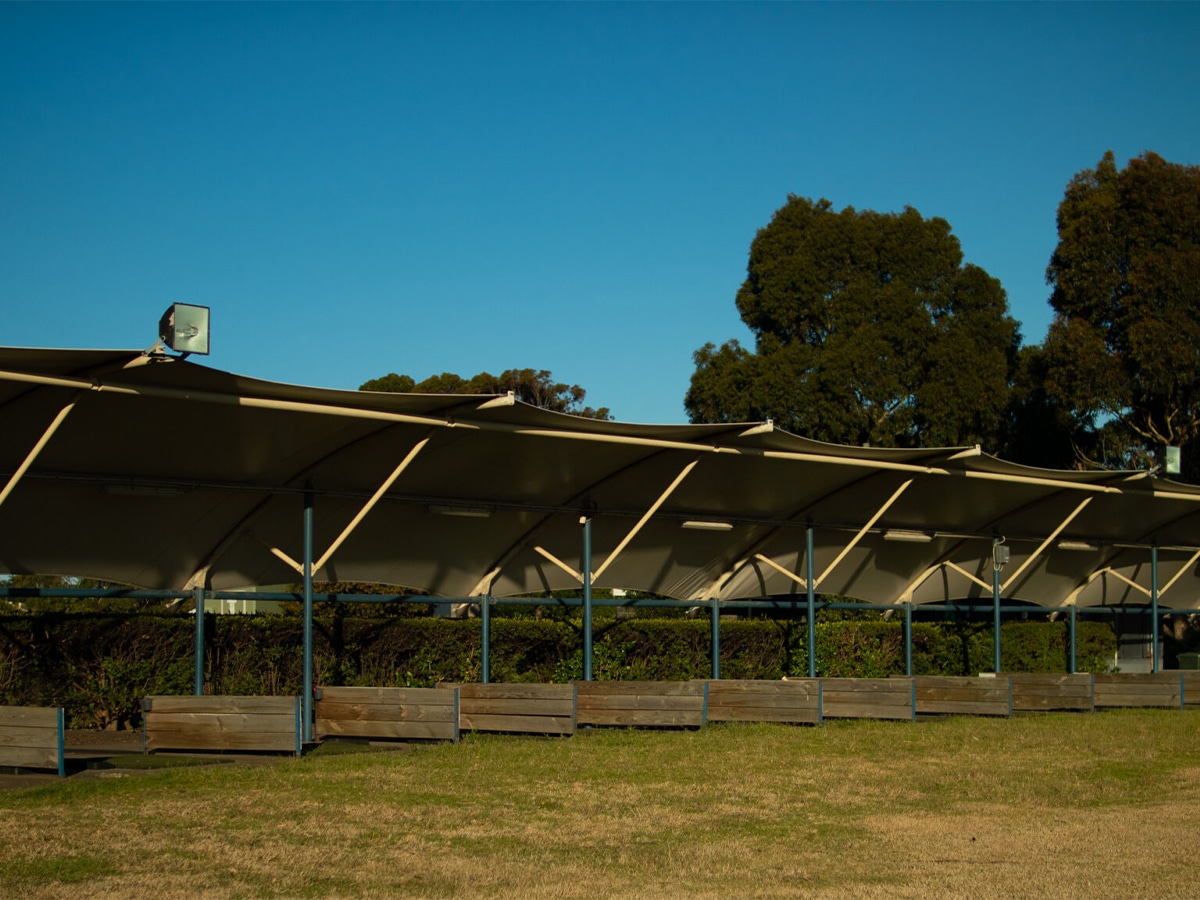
[
  {"x": 792, "y": 702},
  {"x": 393, "y": 714},
  {"x": 963, "y": 695},
  {"x": 869, "y": 698},
  {"x": 1139, "y": 689},
  {"x": 516, "y": 708},
  {"x": 1044, "y": 691},
  {"x": 223, "y": 723},
  {"x": 32, "y": 737},
  {"x": 645, "y": 704}
]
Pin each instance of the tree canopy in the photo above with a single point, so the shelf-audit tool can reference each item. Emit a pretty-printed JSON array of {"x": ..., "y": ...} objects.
[
  {"x": 868, "y": 329},
  {"x": 1123, "y": 351},
  {"x": 534, "y": 386}
]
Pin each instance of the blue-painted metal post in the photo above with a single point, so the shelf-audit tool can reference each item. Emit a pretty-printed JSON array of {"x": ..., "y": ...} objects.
[
  {"x": 485, "y": 626},
  {"x": 810, "y": 592},
  {"x": 716, "y": 638},
  {"x": 995, "y": 608},
  {"x": 198, "y": 680},
  {"x": 587, "y": 598},
  {"x": 1071, "y": 662},
  {"x": 306, "y": 701},
  {"x": 63, "y": 749},
  {"x": 1154, "y": 660},
  {"x": 908, "y": 639}
]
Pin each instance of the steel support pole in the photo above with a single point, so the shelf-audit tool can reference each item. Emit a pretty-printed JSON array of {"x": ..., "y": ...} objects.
[
  {"x": 995, "y": 608},
  {"x": 810, "y": 590},
  {"x": 1071, "y": 663},
  {"x": 716, "y": 638},
  {"x": 485, "y": 626},
  {"x": 198, "y": 686},
  {"x": 1154, "y": 660},
  {"x": 306, "y": 701},
  {"x": 586, "y": 564},
  {"x": 908, "y": 639}
]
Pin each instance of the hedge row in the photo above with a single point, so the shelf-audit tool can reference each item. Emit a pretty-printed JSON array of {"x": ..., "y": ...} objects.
[{"x": 99, "y": 666}]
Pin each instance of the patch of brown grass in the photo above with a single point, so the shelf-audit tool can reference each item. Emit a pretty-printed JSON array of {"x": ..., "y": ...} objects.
[{"x": 1050, "y": 806}]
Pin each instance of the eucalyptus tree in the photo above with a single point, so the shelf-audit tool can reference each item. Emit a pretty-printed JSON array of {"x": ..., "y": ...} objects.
[
  {"x": 534, "y": 386},
  {"x": 1123, "y": 351},
  {"x": 868, "y": 329}
]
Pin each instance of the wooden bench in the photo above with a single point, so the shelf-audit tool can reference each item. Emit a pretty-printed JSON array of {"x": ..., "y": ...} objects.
[
  {"x": 394, "y": 714},
  {"x": 516, "y": 708},
  {"x": 32, "y": 737},
  {"x": 222, "y": 723},
  {"x": 1139, "y": 689},
  {"x": 1045, "y": 691},
  {"x": 645, "y": 704},
  {"x": 792, "y": 702},
  {"x": 869, "y": 698},
  {"x": 963, "y": 695}
]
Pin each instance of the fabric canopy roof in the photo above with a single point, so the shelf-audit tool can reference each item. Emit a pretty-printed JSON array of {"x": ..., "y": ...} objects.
[{"x": 157, "y": 472}]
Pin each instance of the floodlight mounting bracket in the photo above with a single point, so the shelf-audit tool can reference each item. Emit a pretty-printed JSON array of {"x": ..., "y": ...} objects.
[{"x": 158, "y": 351}]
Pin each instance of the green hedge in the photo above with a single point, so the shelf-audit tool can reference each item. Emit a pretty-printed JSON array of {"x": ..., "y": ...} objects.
[{"x": 98, "y": 666}]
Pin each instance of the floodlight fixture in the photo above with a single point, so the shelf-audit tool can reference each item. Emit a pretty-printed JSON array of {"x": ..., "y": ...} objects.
[
  {"x": 1077, "y": 545},
  {"x": 1172, "y": 460},
  {"x": 908, "y": 537},
  {"x": 465, "y": 512},
  {"x": 707, "y": 525},
  {"x": 184, "y": 328}
]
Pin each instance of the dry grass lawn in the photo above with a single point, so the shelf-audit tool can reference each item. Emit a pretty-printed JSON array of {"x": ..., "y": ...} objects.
[{"x": 1104, "y": 805}]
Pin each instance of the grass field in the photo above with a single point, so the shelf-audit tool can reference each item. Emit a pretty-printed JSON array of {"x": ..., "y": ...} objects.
[{"x": 1104, "y": 805}]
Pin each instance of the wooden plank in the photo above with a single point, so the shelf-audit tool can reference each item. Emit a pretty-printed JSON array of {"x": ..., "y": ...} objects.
[
  {"x": 266, "y": 723},
  {"x": 720, "y": 698},
  {"x": 29, "y": 736},
  {"x": 1169, "y": 676},
  {"x": 648, "y": 718},
  {"x": 30, "y": 757},
  {"x": 205, "y": 739},
  {"x": 412, "y": 731},
  {"x": 640, "y": 701},
  {"x": 503, "y": 706},
  {"x": 896, "y": 686},
  {"x": 385, "y": 695},
  {"x": 762, "y": 688},
  {"x": 29, "y": 716},
  {"x": 380, "y": 712},
  {"x": 221, "y": 704},
  {"x": 642, "y": 688},
  {"x": 865, "y": 710},
  {"x": 783, "y": 716},
  {"x": 201, "y": 738},
  {"x": 901, "y": 700},
  {"x": 517, "y": 724},
  {"x": 541, "y": 692}
]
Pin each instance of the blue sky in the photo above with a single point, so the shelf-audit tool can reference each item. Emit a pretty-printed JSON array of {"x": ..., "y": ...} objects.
[{"x": 357, "y": 189}]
